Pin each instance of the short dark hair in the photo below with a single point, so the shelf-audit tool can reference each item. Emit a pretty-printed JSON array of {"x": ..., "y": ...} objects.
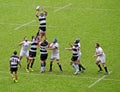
[
  {"x": 97, "y": 44},
  {"x": 15, "y": 52}
]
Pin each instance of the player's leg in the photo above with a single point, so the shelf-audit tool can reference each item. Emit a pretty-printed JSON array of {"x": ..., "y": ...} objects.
[
  {"x": 22, "y": 53},
  {"x": 76, "y": 67},
  {"x": 27, "y": 56},
  {"x": 105, "y": 67},
  {"x": 103, "y": 61},
  {"x": 12, "y": 74},
  {"x": 81, "y": 68},
  {"x": 58, "y": 62},
  {"x": 28, "y": 64},
  {"x": 98, "y": 64},
  {"x": 16, "y": 76},
  {"x": 51, "y": 64},
  {"x": 42, "y": 66}
]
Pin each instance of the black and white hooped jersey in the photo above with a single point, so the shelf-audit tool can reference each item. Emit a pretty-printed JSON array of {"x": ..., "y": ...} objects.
[
  {"x": 42, "y": 20},
  {"x": 34, "y": 44},
  {"x": 75, "y": 50},
  {"x": 14, "y": 60},
  {"x": 43, "y": 47}
]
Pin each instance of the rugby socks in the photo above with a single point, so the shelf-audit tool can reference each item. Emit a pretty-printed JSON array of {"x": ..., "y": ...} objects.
[
  {"x": 80, "y": 66},
  {"x": 99, "y": 67},
  {"x": 106, "y": 69},
  {"x": 27, "y": 66},
  {"x": 73, "y": 65},
  {"x": 76, "y": 68},
  {"x": 60, "y": 67},
  {"x": 32, "y": 63},
  {"x": 50, "y": 67},
  {"x": 42, "y": 68}
]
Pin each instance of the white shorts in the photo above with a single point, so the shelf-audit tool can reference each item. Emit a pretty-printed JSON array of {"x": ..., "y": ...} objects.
[
  {"x": 42, "y": 32},
  {"x": 24, "y": 53},
  {"x": 55, "y": 56},
  {"x": 101, "y": 59}
]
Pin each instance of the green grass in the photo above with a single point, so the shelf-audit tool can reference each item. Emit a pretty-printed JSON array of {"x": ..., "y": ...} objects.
[{"x": 90, "y": 20}]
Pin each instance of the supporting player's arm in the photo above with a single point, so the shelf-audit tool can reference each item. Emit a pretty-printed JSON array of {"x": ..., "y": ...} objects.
[
  {"x": 52, "y": 48},
  {"x": 68, "y": 48},
  {"x": 20, "y": 43},
  {"x": 45, "y": 11},
  {"x": 37, "y": 14}
]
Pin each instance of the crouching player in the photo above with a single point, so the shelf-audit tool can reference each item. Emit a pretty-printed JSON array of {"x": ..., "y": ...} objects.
[{"x": 14, "y": 61}]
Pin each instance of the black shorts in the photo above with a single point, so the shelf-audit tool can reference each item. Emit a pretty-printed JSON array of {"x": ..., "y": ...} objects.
[
  {"x": 13, "y": 69},
  {"x": 42, "y": 28},
  {"x": 74, "y": 58},
  {"x": 43, "y": 57},
  {"x": 32, "y": 54}
]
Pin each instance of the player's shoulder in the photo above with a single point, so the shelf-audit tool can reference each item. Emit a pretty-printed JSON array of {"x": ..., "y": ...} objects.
[{"x": 15, "y": 56}]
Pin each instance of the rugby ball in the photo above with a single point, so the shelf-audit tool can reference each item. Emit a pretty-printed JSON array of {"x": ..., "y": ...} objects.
[{"x": 37, "y": 8}]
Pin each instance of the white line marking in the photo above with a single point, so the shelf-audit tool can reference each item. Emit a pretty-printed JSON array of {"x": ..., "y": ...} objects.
[
  {"x": 62, "y": 7},
  {"x": 61, "y": 75},
  {"x": 24, "y": 25},
  {"x": 98, "y": 80},
  {"x": 15, "y": 24}
]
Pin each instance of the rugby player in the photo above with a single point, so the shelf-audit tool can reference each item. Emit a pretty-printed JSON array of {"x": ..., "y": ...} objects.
[
  {"x": 24, "y": 50},
  {"x": 75, "y": 55},
  {"x": 42, "y": 19},
  {"x": 54, "y": 46},
  {"x": 100, "y": 58},
  {"x": 43, "y": 54},
  {"x": 14, "y": 61},
  {"x": 32, "y": 53}
]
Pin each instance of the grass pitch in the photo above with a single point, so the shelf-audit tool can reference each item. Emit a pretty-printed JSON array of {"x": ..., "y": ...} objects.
[{"x": 90, "y": 20}]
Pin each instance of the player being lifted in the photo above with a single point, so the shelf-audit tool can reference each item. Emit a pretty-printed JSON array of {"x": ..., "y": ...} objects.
[
  {"x": 14, "y": 61},
  {"x": 81, "y": 68},
  {"x": 100, "y": 58},
  {"x": 41, "y": 15},
  {"x": 32, "y": 53},
  {"x": 54, "y": 46},
  {"x": 74, "y": 60}
]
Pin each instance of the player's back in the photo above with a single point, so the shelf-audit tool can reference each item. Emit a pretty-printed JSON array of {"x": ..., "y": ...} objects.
[{"x": 14, "y": 61}]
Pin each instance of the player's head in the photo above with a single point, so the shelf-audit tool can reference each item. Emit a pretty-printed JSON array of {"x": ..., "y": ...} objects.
[
  {"x": 33, "y": 37},
  {"x": 46, "y": 42},
  {"x": 55, "y": 40},
  {"x": 15, "y": 52},
  {"x": 97, "y": 45},
  {"x": 41, "y": 13},
  {"x": 77, "y": 40},
  {"x": 25, "y": 38}
]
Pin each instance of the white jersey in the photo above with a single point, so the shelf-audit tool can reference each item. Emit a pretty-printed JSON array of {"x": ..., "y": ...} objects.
[
  {"x": 25, "y": 46},
  {"x": 55, "y": 45},
  {"x": 79, "y": 55},
  {"x": 100, "y": 50},
  {"x": 102, "y": 57}
]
